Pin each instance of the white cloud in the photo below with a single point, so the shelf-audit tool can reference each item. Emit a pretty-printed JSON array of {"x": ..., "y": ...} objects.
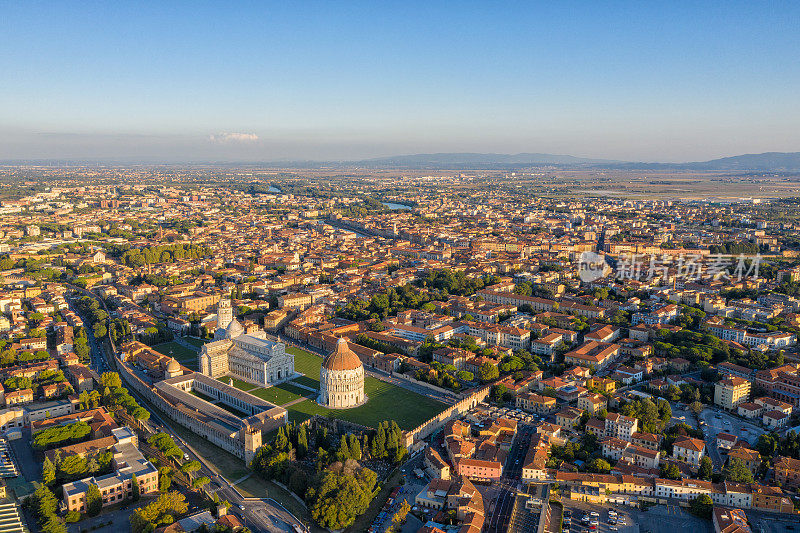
[{"x": 227, "y": 138}]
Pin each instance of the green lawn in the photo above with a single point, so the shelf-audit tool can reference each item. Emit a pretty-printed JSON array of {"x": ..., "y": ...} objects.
[
  {"x": 185, "y": 356},
  {"x": 196, "y": 342},
  {"x": 202, "y": 396},
  {"x": 386, "y": 402},
  {"x": 232, "y": 410},
  {"x": 307, "y": 381},
  {"x": 280, "y": 394},
  {"x": 238, "y": 383},
  {"x": 306, "y": 363}
]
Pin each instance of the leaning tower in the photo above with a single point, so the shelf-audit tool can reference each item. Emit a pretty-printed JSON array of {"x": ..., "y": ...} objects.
[{"x": 224, "y": 313}]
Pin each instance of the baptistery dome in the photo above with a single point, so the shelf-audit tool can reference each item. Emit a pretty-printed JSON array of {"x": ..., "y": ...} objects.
[{"x": 341, "y": 379}]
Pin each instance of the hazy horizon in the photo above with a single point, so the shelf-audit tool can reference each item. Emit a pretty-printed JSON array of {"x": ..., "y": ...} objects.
[{"x": 336, "y": 82}]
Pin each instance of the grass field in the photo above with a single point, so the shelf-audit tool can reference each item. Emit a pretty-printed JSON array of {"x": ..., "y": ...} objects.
[
  {"x": 307, "y": 381},
  {"x": 277, "y": 394},
  {"x": 196, "y": 342},
  {"x": 280, "y": 394},
  {"x": 238, "y": 383},
  {"x": 185, "y": 356},
  {"x": 306, "y": 363},
  {"x": 386, "y": 401},
  {"x": 232, "y": 410},
  {"x": 226, "y": 464}
]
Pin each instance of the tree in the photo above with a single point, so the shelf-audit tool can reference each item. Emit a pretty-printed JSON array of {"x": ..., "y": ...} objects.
[
  {"x": 465, "y": 375},
  {"x": 702, "y": 506},
  {"x": 160, "y": 512},
  {"x": 281, "y": 440},
  {"x": 200, "y": 482},
  {"x": 100, "y": 330},
  {"x": 400, "y": 516},
  {"x": 696, "y": 407},
  {"x": 706, "y": 468},
  {"x": 737, "y": 471},
  {"x": 601, "y": 466},
  {"x": 488, "y": 372},
  {"x": 140, "y": 414},
  {"x": 378, "y": 445},
  {"x": 191, "y": 466},
  {"x": 670, "y": 471},
  {"x": 343, "y": 452},
  {"x": 48, "y": 471},
  {"x": 339, "y": 498},
  {"x": 354, "y": 447},
  {"x": 302, "y": 442},
  {"x": 135, "y": 490},
  {"x": 164, "y": 483},
  {"x": 45, "y": 502},
  {"x": 94, "y": 501},
  {"x": 111, "y": 380}
]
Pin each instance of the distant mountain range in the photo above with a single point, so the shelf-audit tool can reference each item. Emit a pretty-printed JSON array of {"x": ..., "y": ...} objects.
[
  {"x": 467, "y": 158},
  {"x": 766, "y": 162}
]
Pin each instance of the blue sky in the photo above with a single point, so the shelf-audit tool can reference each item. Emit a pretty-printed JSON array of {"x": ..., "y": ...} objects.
[{"x": 340, "y": 80}]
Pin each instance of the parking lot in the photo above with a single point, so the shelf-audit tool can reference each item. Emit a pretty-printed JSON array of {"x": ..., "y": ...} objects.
[
  {"x": 657, "y": 519},
  {"x": 718, "y": 421},
  {"x": 771, "y": 523}
]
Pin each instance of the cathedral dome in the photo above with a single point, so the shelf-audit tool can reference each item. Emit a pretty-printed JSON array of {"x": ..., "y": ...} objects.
[
  {"x": 234, "y": 329},
  {"x": 342, "y": 358}
]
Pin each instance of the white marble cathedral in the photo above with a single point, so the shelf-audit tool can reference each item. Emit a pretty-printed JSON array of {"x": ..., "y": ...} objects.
[{"x": 247, "y": 356}]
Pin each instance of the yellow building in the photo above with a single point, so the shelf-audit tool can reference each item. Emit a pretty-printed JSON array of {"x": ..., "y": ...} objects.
[{"x": 729, "y": 392}]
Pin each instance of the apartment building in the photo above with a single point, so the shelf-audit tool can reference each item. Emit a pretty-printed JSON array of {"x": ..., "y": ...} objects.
[
  {"x": 116, "y": 487},
  {"x": 731, "y": 391},
  {"x": 592, "y": 354},
  {"x": 621, "y": 426},
  {"x": 689, "y": 450},
  {"x": 593, "y": 403},
  {"x": 787, "y": 388},
  {"x": 787, "y": 471},
  {"x": 536, "y": 403}
]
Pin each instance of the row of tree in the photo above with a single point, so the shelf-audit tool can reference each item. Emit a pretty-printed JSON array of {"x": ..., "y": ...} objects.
[
  {"x": 169, "y": 253},
  {"x": 62, "y": 470},
  {"x": 161, "y": 512}
]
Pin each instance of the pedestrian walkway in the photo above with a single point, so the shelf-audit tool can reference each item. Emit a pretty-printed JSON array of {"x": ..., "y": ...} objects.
[
  {"x": 244, "y": 477},
  {"x": 298, "y": 400},
  {"x": 300, "y": 385}
]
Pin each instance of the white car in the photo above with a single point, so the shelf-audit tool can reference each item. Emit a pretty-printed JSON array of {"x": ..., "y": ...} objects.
[{"x": 241, "y": 507}]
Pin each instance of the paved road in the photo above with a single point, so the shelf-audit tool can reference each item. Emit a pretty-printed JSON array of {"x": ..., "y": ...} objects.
[
  {"x": 258, "y": 515},
  {"x": 504, "y": 503}
]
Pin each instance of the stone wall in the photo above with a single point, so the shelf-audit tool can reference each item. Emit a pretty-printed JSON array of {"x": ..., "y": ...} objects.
[{"x": 432, "y": 425}]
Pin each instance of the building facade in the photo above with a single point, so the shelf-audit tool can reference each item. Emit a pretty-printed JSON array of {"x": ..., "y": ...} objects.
[{"x": 249, "y": 357}]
